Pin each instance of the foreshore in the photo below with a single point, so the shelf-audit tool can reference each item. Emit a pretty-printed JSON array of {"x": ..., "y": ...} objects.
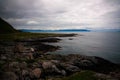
[{"x": 27, "y": 59}]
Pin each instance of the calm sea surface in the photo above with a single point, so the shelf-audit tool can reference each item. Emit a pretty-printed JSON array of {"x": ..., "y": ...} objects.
[{"x": 101, "y": 44}]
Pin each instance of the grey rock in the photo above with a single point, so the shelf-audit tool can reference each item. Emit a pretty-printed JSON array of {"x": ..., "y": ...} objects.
[
  {"x": 36, "y": 73},
  {"x": 25, "y": 73},
  {"x": 23, "y": 65},
  {"x": 10, "y": 76},
  {"x": 70, "y": 68},
  {"x": 48, "y": 66}
]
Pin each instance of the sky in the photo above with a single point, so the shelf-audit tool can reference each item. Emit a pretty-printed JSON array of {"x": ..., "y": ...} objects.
[{"x": 61, "y": 14}]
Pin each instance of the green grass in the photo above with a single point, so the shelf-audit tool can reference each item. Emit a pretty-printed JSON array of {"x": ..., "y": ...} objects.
[
  {"x": 85, "y": 75},
  {"x": 25, "y": 35},
  {"x": 5, "y": 27}
]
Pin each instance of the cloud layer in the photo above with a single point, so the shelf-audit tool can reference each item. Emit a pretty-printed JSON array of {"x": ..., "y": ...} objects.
[{"x": 61, "y": 14}]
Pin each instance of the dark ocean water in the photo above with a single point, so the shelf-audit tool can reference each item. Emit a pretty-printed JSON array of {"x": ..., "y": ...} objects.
[
  {"x": 105, "y": 44},
  {"x": 101, "y": 44}
]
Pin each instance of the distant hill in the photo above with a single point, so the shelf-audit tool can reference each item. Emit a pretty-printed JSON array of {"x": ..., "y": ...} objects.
[
  {"x": 62, "y": 30},
  {"x": 5, "y": 27}
]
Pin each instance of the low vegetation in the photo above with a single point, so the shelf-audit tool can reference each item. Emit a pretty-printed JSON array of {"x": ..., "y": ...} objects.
[{"x": 85, "y": 75}]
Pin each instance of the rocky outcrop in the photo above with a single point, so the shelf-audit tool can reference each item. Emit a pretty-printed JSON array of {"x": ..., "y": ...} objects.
[{"x": 29, "y": 61}]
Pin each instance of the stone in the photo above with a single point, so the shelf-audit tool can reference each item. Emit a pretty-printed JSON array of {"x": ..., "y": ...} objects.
[
  {"x": 63, "y": 72},
  {"x": 10, "y": 76},
  {"x": 70, "y": 68},
  {"x": 29, "y": 55},
  {"x": 32, "y": 49},
  {"x": 83, "y": 63},
  {"x": 86, "y": 63},
  {"x": 47, "y": 65},
  {"x": 3, "y": 57},
  {"x": 50, "y": 67},
  {"x": 25, "y": 73},
  {"x": 19, "y": 48},
  {"x": 35, "y": 64},
  {"x": 36, "y": 72},
  {"x": 14, "y": 65},
  {"x": 104, "y": 77},
  {"x": 23, "y": 65}
]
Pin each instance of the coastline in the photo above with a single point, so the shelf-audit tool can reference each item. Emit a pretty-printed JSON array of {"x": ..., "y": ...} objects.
[{"x": 26, "y": 58}]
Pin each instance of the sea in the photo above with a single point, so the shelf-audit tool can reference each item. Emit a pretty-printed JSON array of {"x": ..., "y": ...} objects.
[{"x": 100, "y": 44}]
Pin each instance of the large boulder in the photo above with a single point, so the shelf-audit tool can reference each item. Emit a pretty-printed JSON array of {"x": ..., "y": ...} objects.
[
  {"x": 49, "y": 67},
  {"x": 69, "y": 68}
]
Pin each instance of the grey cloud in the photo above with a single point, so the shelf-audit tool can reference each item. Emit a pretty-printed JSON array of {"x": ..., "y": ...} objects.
[{"x": 20, "y": 12}]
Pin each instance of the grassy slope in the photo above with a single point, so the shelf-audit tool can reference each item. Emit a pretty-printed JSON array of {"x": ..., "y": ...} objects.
[
  {"x": 24, "y": 35},
  {"x": 84, "y": 75},
  {"x": 6, "y": 27}
]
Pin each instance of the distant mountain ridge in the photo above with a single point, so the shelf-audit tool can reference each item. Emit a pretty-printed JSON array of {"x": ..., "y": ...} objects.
[
  {"x": 61, "y": 30},
  {"x": 5, "y": 27},
  {"x": 72, "y": 30}
]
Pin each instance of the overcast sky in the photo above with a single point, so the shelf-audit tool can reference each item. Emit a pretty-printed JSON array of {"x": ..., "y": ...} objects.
[{"x": 61, "y": 14}]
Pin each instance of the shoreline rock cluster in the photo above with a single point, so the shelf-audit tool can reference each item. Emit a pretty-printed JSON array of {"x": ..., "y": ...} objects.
[{"x": 27, "y": 60}]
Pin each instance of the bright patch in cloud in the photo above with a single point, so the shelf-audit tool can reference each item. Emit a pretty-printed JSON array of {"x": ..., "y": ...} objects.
[{"x": 32, "y": 22}]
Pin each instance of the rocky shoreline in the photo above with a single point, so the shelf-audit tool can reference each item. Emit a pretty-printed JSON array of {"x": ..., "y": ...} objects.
[{"x": 27, "y": 59}]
